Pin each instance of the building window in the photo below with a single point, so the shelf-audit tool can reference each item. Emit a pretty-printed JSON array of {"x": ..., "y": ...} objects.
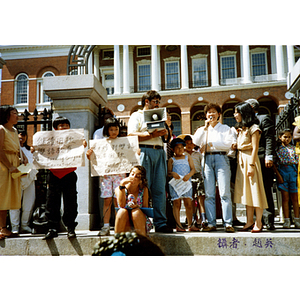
[
  {"x": 259, "y": 65},
  {"x": 107, "y": 54},
  {"x": 109, "y": 83},
  {"x": 22, "y": 89},
  {"x": 228, "y": 67},
  {"x": 200, "y": 72},
  {"x": 144, "y": 77},
  {"x": 46, "y": 98},
  {"x": 172, "y": 74},
  {"x": 228, "y": 117},
  {"x": 107, "y": 79},
  {"x": 176, "y": 121},
  {"x": 143, "y": 51}
]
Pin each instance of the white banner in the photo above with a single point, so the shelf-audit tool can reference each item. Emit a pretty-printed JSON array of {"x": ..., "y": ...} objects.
[
  {"x": 114, "y": 156},
  {"x": 58, "y": 149}
]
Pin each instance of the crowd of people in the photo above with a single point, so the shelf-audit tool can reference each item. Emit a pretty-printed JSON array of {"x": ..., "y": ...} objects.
[{"x": 217, "y": 163}]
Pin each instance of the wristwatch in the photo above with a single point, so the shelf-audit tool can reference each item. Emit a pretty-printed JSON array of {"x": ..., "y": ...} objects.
[{"x": 122, "y": 187}]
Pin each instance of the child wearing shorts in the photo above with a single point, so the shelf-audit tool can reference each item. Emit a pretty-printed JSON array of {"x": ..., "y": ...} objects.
[
  {"x": 287, "y": 166},
  {"x": 108, "y": 183}
]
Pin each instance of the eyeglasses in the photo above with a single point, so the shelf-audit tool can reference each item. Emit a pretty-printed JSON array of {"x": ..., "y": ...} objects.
[{"x": 156, "y": 101}]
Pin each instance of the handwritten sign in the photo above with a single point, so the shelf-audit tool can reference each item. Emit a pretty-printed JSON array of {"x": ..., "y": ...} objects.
[
  {"x": 114, "y": 156},
  {"x": 58, "y": 149}
]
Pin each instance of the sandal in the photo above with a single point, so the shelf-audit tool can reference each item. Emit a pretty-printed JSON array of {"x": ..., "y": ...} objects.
[
  {"x": 180, "y": 229},
  {"x": 193, "y": 228},
  {"x": 4, "y": 231}
]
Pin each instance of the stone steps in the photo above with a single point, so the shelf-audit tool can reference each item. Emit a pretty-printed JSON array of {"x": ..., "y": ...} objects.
[{"x": 281, "y": 242}]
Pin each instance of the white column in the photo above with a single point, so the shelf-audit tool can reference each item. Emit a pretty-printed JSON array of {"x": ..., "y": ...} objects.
[
  {"x": 184, "y": 67},
  {"x": 246, "y": 64},
  {"x": 290, "y": 57},
  {"x": 126, "y": 69},
  {"x": 117, "y": 69},
  {"x": 158, "y": 68},
  {"x": 214, "y": 65},
  {"x": 279, "y": 62},
  {"x": 96, "y": 63},
  {"x": 91, "y": 64},
  {"x": 154, "y": 68},
  {"x": 131, "y": 75}
]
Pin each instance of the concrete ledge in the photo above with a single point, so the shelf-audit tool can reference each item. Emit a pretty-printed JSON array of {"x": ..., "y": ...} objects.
[{"x": 278, "y": 243}]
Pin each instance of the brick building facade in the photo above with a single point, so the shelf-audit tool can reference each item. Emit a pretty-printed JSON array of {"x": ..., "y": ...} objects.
[{"x": 187, "y": 77}]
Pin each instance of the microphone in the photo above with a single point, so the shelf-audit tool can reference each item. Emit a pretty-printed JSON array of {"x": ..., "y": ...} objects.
[{"x": 210, "y": 118}]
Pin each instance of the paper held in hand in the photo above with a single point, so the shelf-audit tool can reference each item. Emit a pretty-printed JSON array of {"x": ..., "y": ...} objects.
[
  {"x": 180, "y": 186},
  {"x": 23, "y": 170},
  {"x": 58, "y": 149},
  {"x": 114, "y": 156}
]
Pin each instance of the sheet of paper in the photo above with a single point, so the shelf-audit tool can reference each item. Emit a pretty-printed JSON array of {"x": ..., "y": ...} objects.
[
  {"x": 23, "y": 170},
  {"x": 114, "y": 156},
  {"x": 180, "y": 186},
  {"x": 58, "y": 149}
]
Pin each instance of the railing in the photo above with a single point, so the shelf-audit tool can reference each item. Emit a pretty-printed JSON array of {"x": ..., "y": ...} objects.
[
  {"x": 287, "y": 116},
  {"x": 46, "y": 124},
  {"x": 45, "y": 121}
]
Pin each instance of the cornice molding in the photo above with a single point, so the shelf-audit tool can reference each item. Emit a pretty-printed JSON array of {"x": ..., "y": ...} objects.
[
  {"x": 228, "y": 53},
  {"x": 172, "y": 58},
  {"x": 33, "y": 51},
  {"x": 198, "y": 56}
]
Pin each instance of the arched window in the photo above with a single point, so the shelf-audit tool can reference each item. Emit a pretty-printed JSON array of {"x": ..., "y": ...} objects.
[
  {"x": 46, "y": 98},
  {"x": 176, "y": 121},
  {"x": 21, "y": 89},
  {"x": 228, "y": 117}
]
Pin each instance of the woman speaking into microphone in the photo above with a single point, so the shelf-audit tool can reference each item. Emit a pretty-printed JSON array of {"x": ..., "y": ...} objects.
[{"x": 215, "y": 140}]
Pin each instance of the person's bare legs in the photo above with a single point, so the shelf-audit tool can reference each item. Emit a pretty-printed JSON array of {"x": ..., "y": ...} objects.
[
  {"x": 107, "y": 209},
  {"x": 139, "y": 221},
  {"x": 122, "y": 223},
  {"x": 258, "y": 223},
  {"x": 294, "y": 198},
  {"x": 285, "y": 204},
  {"x": 3, "y": 230},
  {"x": 188, "y": 210},
  {"x": 250, "y": 215},
  {"x": 176, "y": 211}
]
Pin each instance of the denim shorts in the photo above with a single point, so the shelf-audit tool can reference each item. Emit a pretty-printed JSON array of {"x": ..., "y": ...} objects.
[{"x": 289, "y": 175}]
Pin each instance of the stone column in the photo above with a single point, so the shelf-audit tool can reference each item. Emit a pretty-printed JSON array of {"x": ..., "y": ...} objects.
[
  {"x": 246, "y": 64},
  {"x": 184, "y": 68},
  {"x": 214, "y": 65},
  {"x": 290, "y": 57},
  {"x": 117, "y": 70},
  {"x": 96, "y": 63},
  {"x": 154, "y": 68},
  {"x": 279, "y": 62},
  {"x": 77, "y": 98},
  {"x": 126, "y": 69}
]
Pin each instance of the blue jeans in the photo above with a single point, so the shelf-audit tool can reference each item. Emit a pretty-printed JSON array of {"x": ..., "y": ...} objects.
[
  {"x": 154, "y": 161},
  {"x": 217, "y": 168}
]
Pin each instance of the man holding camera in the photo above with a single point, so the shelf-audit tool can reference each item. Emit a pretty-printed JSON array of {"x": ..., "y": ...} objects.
[{"x": 153, "y": 158}]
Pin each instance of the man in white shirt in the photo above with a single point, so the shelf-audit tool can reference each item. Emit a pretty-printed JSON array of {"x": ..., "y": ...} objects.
[
  {"x": 153, "y": 158},
  {"x": 215, "y": 140}
]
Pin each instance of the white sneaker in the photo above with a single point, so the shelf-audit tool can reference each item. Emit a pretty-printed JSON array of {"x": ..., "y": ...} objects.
[
  {"x": 104, "y": 231},
  {"x": 297, "y": 222},
  {"x": 25, "y": 229},
  {"x": 287, "y": 223},
  {"x": 15, "y": 229}
]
